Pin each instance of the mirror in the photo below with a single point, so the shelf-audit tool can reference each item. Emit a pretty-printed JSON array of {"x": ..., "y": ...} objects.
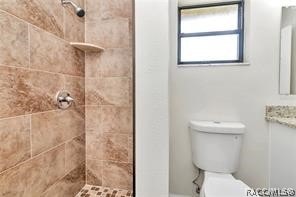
[{"x": 288, "y": 51}]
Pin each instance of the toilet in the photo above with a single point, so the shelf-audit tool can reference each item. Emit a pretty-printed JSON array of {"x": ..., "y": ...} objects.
[{"x": 216, "y": 150}]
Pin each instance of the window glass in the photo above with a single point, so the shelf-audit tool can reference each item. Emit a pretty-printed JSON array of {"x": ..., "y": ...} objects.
[
  {"x": 209, "y": 48},
  {"x": 211, "y": 33},
  {"x": 219, "y": 18}
]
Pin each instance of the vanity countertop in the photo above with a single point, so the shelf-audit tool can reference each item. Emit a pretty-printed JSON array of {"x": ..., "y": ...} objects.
[{"x": 285, "y": 115}]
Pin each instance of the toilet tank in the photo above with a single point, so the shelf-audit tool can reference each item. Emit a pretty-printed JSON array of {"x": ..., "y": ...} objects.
[{"x": 216, "y": 146}]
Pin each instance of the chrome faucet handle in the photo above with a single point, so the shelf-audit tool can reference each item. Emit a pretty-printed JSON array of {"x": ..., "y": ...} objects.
[
  {"x": 69, "y": 99},
  {"x": 64, "y": 100}
]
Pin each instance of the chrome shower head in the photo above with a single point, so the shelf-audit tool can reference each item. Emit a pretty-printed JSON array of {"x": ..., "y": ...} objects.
[{"x": 78, "y": 10}]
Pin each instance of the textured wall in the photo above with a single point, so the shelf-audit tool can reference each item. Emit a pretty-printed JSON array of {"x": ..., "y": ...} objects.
[
  {"x": 152, "y": 77},
  {"x": 109, "y": 94},
  {"x": 42, "y": 149}
]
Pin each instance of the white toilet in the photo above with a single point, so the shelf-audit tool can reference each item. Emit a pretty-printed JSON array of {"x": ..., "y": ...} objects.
[{"x": 216, "y": 150}]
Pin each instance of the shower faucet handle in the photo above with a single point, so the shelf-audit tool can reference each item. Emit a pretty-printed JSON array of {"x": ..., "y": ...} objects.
[
  {"x": 64, "y": 100},
  {"x": 67, "y": 99}
]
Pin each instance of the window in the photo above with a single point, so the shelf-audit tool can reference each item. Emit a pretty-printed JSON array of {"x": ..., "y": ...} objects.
[{"x": 212, "y": 33}]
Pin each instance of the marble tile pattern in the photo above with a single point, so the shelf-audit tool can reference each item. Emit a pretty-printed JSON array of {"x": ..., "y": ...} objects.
[
  {"x": 42, "y": 149},
  {"x": 48, "y": 15},
  {"x": 46, "y": 151},
  {"x": 115, "y": 62},
  {"x": 94, "y": 171},
  {"x": 111, "y": 33},
  {"x": 54, "y": 54},
  {"x": 14, "y": 34},
  {"x": 285, "y": 115},
  {"x": 108, "y": 93},
  {"x": 75, "y": 153},
  {"x": 69, "y": 185},
  {"x": 100, "y": 9},
  {"x": 26, "y": 91},
  {"x": 50, "y": 129},
  {"x": 117, "y": 175},
  {"x": 34, "y": 176},
  {"x": 96, "y": 191},
  {"x": 16, "y": 132},
  {"x": 74, "y": 26}
]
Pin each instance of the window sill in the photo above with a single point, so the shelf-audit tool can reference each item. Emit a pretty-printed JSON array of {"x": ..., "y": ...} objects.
[{"x": 214, "y": 65}]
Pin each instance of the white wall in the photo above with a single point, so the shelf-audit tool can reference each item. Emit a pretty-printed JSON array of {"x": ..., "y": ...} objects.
[
  {"x": 228, "y": 93},
  {"x": 152, "y": 135}
]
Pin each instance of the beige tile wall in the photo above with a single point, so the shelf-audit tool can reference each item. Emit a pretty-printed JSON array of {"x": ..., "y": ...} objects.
[
  {"x": 42, "y": 149},
  {"x": 109, "y": 144}
]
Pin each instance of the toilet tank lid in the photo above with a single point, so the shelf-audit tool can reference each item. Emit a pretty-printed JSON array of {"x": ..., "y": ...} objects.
[{"x": 218, "y": 127}]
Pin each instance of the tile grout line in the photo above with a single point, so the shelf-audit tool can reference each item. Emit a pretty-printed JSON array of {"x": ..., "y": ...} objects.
[
  {"x": 113, "y": 161},
  {"x": 109, "y": 105},
  {"x": 61, "y": 178},
  {"x": 38, "y": 70},
  {"x": 64, "y": 76},
  {"x": 35, "y": 26},
  {"x": 29, "y": 44},
  {"x": 85, "y": 58},
  {"x": 64, "y": 22},
  {"x": 40, "y": 154},
  {"x": 67, "y": 142},
  {"x": 38, "y": 113},
  {"x": 31, "y": 137}
]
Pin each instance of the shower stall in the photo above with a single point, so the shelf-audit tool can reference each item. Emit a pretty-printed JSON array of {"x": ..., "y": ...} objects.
[{"x": 66, "y": 98}]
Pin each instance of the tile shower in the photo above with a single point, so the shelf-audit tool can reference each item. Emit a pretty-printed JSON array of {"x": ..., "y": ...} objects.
[{"x": 45, "y": 151}]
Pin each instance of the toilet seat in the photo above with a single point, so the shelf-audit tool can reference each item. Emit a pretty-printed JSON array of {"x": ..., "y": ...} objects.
[{"x": 223, "y": 185}]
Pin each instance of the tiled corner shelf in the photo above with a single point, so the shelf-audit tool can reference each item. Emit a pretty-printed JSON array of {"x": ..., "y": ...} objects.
[
  {"x": 285, "y": 115},
  {"x": 87, "y": 47}
]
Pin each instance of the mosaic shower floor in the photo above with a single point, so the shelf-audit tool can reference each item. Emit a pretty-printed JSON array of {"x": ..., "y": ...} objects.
[{"x": 97, "y": 191}]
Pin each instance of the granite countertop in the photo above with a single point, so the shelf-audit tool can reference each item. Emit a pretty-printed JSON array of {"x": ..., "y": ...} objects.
[{"x": 285, "y": 115}]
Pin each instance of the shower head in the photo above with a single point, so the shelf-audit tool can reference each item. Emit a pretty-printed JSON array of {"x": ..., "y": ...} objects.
[{"x": 78, "y": 10}]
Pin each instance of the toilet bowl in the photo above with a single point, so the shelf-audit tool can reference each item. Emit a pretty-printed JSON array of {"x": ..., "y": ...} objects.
[
  {"x": 216, "y": 150},
  {"x": 222, "y": 185}
]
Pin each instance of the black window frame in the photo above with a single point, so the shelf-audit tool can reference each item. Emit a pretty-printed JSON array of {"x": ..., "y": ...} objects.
[{"x": 239, "y": 31}]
